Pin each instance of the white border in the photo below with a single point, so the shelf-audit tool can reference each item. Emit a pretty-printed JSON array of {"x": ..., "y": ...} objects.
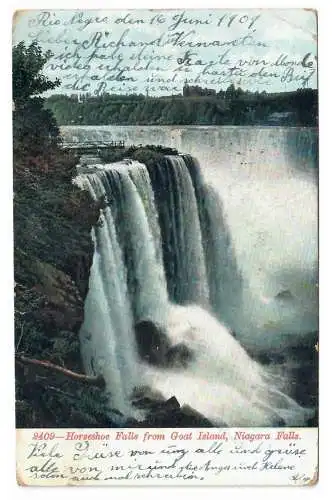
[{"x": 7, "y": 453}]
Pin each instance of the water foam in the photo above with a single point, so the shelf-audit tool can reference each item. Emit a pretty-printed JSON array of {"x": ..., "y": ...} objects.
[{"x": 222, "y": 381}]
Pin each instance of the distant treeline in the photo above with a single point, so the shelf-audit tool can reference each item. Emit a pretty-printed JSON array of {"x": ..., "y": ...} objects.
[{"x": 230, "y": 107}]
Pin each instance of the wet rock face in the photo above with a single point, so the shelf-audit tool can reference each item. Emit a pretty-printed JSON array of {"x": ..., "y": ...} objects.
[
  {"x": 285, "y": 295},
  {"x": 155, "y": 348},
  {"x": 179, "y": 356},
  {"x": 152, "y": 342}
]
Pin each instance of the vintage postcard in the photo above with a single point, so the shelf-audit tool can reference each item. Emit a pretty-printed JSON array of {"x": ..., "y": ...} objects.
[{"x": 166, "y": 246}]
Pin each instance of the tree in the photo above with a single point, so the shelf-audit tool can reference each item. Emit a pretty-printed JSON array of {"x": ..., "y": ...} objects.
[
  {"x": 230, "y": 92},
  {"x": 238, "y": 93},
  {"x": 28, "y": 80},
  {"x": 34, "y": 127},
  {"x": 305, "y": 103}
]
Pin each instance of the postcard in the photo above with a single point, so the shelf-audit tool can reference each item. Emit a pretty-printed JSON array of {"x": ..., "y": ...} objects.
[{"x": 166, "y": 246}]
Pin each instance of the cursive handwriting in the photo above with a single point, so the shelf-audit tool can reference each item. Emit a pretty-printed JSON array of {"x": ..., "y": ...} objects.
[
  {"x": 124, "y": 52},
  {"x": 285, "y": 457}
]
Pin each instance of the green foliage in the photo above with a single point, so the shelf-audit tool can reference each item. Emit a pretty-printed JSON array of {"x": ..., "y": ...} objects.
[
  {"x": 34, "y": 127},
  {"x": 306, "y": 103},
  {"x": 196, "y": 107},
  {"x": 28, "y": 80},
  {"x": 149, "y": 155}
]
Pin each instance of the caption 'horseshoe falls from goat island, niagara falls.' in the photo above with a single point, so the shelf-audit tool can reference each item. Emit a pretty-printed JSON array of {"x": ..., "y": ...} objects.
[{"x": 203, "y": 284}]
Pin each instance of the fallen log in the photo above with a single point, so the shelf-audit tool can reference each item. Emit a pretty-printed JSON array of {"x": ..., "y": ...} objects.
[{"x": 97, "y": 380}]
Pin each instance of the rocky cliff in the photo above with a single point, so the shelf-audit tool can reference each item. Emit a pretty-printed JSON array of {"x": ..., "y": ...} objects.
[{"x": 52, "y": 257}]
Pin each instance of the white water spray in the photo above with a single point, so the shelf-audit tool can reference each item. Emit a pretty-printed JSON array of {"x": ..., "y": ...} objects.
[
  {"x": 148, "y": 243},
  {"x": 222, "y": 381}
]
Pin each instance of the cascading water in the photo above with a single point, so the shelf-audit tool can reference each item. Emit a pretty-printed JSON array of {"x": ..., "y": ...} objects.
[
  {"x": 164, "y": 254},
  {"x": 107, "y": 344},
  {"x": 222, "y": 381},
  {"x": 225, "y": 280},
  {"x": 181, "y": 232}
]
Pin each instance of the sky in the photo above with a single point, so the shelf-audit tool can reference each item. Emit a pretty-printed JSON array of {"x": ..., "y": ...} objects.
[{"x": 156, "y": 51}]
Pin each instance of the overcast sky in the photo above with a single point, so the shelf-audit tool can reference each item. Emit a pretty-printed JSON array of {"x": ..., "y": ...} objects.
[{"x": 290, "y": 32}]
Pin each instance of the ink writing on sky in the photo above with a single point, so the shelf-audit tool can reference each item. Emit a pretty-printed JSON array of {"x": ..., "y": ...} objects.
[{"x": 158, "y": 52}]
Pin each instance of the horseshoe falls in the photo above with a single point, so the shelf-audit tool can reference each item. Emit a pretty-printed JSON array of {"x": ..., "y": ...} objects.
[{"x": 219, "y": 255}]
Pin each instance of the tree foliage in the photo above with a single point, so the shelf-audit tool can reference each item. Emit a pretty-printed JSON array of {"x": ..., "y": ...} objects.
[
  {"x": 34, "y": 126},
  {"x": 28, "y": 80},
  {"x": 233, "y": 106}
]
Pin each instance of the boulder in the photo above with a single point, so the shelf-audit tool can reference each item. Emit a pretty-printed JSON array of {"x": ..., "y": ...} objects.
[
  {"x": 152, "y": 342},
  {"x": 171, "y": 414},
  {"x": 284, "y": 295},
  {"x": 188, "y": 417},
  {"x": 154, "y": 346},
  {"x": 179, "y": 356}
]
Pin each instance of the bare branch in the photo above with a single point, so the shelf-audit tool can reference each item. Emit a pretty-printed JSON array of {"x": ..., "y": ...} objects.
[{"x": 79, "y": 377}]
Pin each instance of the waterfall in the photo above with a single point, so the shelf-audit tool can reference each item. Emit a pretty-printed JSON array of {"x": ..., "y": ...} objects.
[
  {"x": 164, "y": 255},
  {"x": 115, "y": 299},
  {"x": 107, "y": 344},
  {"x": 225, "y": 280},
  {"x": 181, "y": 231}
]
